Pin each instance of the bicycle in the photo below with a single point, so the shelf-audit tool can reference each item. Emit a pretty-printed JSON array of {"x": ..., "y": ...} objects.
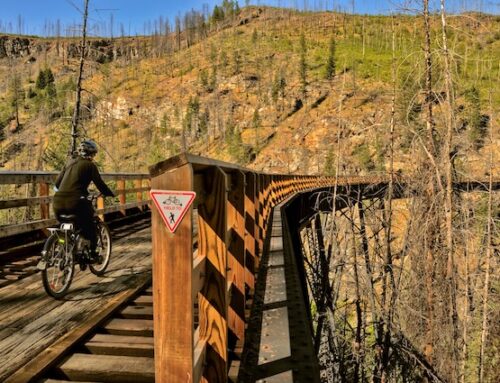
[{"x": 66, "y": 247}]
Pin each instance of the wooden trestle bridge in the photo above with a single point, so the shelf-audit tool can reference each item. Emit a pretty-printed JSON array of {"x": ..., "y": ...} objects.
[{"x": 221, "y": 299}]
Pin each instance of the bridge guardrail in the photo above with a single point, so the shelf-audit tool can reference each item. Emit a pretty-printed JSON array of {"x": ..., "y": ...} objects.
[
  {"x": 199, "y": 297},
  {"x": 202, "y": 280},
  {"x": 39, "y": 203}
]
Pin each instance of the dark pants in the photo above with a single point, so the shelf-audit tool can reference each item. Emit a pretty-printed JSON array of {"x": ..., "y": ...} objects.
[{"x": 82, "y": 208}]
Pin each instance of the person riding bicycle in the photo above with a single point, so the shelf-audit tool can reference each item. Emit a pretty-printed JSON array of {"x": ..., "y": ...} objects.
[{"x": 71, "y": 192}]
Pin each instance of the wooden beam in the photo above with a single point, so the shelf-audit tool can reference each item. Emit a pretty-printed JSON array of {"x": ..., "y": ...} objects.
[
  {"x": 6, "y": 231},
  {"x": 172, "y": 272},
  {"x": 236, "y": 252},
  {"x": 20, "y": 202},
  {"x": 212, "y": 243},
  {"x": 250, "y": 231},
  {"x": 100, "y": 208},
  {"x": 138, "y": 189},
  {"x": 122, "y": 195}
]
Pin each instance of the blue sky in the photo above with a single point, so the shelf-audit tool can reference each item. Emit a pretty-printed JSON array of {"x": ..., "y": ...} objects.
[{"x": 137, "y": 16}]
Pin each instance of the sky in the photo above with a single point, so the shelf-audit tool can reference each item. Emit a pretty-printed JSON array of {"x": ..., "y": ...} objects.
[{"x": 39, "y": 17}]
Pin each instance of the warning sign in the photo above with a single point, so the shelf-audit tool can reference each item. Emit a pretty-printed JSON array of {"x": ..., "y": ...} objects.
[{"x": 172, "y": 205}]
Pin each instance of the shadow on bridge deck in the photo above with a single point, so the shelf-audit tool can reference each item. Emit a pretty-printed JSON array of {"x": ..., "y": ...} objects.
[{"x": 279, "y": 346}]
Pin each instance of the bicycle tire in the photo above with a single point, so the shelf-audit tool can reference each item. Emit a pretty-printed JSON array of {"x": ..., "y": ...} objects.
[
  {"x": 54, "y": 248},
  {"x": 104, "y": 246}
]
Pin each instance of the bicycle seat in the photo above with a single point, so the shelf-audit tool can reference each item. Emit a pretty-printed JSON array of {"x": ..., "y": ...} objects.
[{"x": 67, "y": 217}]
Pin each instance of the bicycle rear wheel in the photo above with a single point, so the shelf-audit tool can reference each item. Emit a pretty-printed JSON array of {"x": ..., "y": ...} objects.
[
  {"x": 103, "y": 248},
  {"x": 58, "y": 272}
]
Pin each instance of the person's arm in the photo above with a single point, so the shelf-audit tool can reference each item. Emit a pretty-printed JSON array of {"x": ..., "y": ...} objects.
[
  {"x": 99, "y": 183},
  {"x": 60, "y": 178}
]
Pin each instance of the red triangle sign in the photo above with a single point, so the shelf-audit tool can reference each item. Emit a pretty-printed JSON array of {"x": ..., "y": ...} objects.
[{"x": 172, "y": 205}]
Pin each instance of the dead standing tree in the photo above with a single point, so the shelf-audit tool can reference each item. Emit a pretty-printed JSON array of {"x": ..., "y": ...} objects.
[{"x": 76, "y": 113}]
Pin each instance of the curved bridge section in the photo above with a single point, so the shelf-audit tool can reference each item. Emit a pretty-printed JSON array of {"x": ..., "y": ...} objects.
[{"x": 237, "y": 286}]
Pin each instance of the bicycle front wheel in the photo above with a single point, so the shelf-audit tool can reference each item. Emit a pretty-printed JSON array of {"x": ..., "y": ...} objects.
[
  {"x": 58, "y": 272},
  {"x": 103, "y": 248}
]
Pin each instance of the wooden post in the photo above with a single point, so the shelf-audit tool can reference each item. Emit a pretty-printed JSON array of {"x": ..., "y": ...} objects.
[
  {"x": 250, "y": 231},
  {"x": 172, "y": 284},
  {"x": 44, "y": 206},
  {"x": 100, "y": 205},
  {"x": 212, "y": 244},
  {"x": 138, "y": 185},
  {"x": 122, "y": 197},
  {"x": 236, "y": 252},
  {"x": 258, "y": 214}
]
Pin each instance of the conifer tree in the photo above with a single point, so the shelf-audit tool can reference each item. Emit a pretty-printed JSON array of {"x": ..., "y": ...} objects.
[
  {"x": 330, "y": 62},
  {"x": 475, "y": 128},
  {"x": 303, "y": 65},
  {"x": 41, "y": 80},
  {"x": 256, "y": 124},
  {"x": 16, "y": 95}
]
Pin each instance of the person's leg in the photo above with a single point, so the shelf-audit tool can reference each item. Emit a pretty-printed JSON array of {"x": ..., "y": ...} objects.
[{"x": 86, "y": 223}]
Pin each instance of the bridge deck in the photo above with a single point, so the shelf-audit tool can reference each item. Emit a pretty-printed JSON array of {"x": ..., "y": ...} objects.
[
  {"x": 31, "y": 322},
  {"x": 279, "y": 345}
]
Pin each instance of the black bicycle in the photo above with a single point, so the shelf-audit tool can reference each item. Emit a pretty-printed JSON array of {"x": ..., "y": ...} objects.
[{"x": 66, "y": 247}]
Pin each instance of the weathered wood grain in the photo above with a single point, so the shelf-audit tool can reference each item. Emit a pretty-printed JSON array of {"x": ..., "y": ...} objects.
[
  {"x": 109, "y": 368},
  {"x": 106, "y": 344},
  {"x": 31, "y": 322},
  {"x": 212, "y": 219},
  {"x": 172, "y": 272},
  {"x": 235, "y": 210},
  {"x": 129, "y": 327},
  {"x": 250, "y": 237}
]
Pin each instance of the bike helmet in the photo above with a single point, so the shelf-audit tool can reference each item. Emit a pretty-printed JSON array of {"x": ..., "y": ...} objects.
[{"x": 87, "y": 148}]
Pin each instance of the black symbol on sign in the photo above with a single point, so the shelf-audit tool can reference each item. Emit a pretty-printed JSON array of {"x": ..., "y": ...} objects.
[
  {"x": 172, "y": 218},
  {"x": 172, "y": 200}
]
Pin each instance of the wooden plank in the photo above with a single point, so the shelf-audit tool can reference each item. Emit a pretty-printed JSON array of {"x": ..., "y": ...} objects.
[
  {"x": 200, "y": 351},
  {"x": 134, "y": 327},
  {"x": 43, "y": 191},
  {"x": 114, "y": 208},
  {"x": 100, "y": 208},
  {"x": 122, "y": 195},
  {"x": 198, "y": 275},
  {"x": 137, "y": 312},
  {"x": 106, "y": 344},
  {"x": 9, "y": 230},
  {"x": 49, "y": 356},
  {"x": 138, "y": 190},
  {"x": 109, "y": 368},
  {"x": 20, "y": 202},
  {"x": 172, "y": 272},
  {"x": 250, "y": 238},
  {"x": 144, "y": 300},
  {"x": 236, "y": 252},
  {"x": 212, "y": 229}
]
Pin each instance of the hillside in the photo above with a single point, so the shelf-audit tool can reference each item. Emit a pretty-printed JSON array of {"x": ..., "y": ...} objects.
[{"x": 235, "y": 91}]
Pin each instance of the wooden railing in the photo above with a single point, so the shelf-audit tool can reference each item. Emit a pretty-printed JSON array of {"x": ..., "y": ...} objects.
[
  {"x": 40, "y": 185},
  {"x": 202, "y": 279},
  {"x": 204, "y": 272}
]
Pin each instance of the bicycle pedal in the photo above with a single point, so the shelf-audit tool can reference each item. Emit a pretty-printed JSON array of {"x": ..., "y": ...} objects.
[{"x": 42, "y": 265}]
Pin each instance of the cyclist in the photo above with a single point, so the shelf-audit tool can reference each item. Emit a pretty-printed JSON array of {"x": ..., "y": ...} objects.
[{"x": 71, "y": 192}]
